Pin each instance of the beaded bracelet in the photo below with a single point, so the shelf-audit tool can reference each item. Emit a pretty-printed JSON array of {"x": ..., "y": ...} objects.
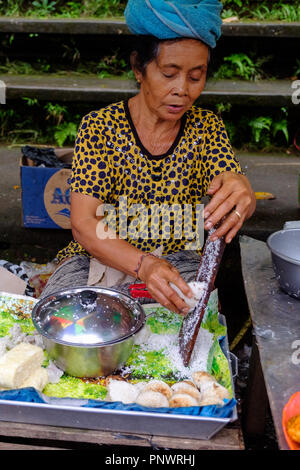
[{"x": 136, "y": 270}]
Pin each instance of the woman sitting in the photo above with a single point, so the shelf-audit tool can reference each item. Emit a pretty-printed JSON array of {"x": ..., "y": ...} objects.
[{"x": 155, "y": 150}]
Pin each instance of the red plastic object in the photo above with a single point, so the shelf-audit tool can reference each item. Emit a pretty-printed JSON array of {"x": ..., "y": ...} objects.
[
  {"x": 139, "y": 290},
  {"x": 297, "y": 135},
  {"x": 292, "y": 408}
]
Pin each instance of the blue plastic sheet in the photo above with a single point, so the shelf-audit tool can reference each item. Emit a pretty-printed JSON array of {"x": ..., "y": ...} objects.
[
  {"x": 31, "y": 395},
  {"x": 212, "y": 411}
]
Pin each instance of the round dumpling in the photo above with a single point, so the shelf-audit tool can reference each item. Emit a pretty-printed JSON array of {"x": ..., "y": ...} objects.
[
  {"x": 119, "y": 390},
  {"x": 179, "y": 400},
  {"x": 189, "y": 382},
  {"x": 184, "y": 387},
  {"x": 203, "y": 380},
  {"x": 159, "y": 386},
  {"x": 152, "y": 399},
  {"x": 214, "y": 395}
]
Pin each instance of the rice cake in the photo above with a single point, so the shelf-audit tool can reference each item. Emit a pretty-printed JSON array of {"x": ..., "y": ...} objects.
[
  {"x": 38, "y": 379},
  {"x": 19, "y": 363}
]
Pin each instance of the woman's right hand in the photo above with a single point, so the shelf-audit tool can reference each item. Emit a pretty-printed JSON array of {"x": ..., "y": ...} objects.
[{"x": 157, "y": 274}]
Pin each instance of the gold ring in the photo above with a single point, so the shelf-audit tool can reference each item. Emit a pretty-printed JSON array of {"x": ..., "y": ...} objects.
[{"x": 237, "y": 213}]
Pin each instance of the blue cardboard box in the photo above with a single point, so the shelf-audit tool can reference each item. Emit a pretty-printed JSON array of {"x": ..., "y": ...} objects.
[{"x": 45, "y": 196}]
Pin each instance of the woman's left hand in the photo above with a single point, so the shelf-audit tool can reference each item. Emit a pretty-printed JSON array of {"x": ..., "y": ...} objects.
[{"x": 230, "y": 192}]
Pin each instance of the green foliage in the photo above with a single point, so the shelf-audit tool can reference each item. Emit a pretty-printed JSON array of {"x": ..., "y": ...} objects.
[
  {"x": 104, "y": 8},
  {"x": 57, "y": 124},
  {"x": 223, "y": 107},
  {"x": 55, "y": 112},
  {"x": 44, "y": 7},
  {"x": 240, "y": 65},
  {"x": 282, "y": 10},
  {"x": 19, "y": 67},
  {"x": 31, "y": 101},
  {"x": 16, "y": 67},
  {"x": 64, "y": 8},
  {"x": 263, "y": 10},
  {"x": 265, "y": 128},
  {"x": 279, "y": 12},
  {"x": 250, "y": 129},
  {"x": 258, "y": 125},
  {"x": 11, "y": 7},
  {"x": 112, "y": 65},
  {"x": 66, "y": 132},
  {"x": 72, "y": 9},
  {"x": 233, "y": 3}
]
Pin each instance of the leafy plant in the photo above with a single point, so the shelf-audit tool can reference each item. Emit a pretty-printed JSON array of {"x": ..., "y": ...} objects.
[
  {"x": 276, "y": 11},
  {"x": 111, "y": 65},
  {"x": 43, "y": 7},
  {"x": 43, "y": 66},
  {"x": 240, "y": 65},
  {"x": 17, "y": 67},
  {"x": 238, "y": 3},
  {"x": 11, "y": 39},
  {"x": 12, "y": 7},
  {"x": 104, "y": 8},
  {"x": 263, "y": 10},
  {"x": 66, "y": 132},
  {"x": 282, "y": 125},
  {"x": 263, "y": 128},
  {"x": 31, "y": 101},
  {"x": 282, "y": 10},
  {"x": 72, "y": 9},
  {"x": 55, "y": 112},
  {"x": 223, "y": 108},
  {"x": 258, "y": 125}
]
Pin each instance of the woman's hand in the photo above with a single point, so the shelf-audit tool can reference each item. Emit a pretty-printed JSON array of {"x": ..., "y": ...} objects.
[
  {"x": 157, "y": 274},
  {"x": 230, "y": 192}
]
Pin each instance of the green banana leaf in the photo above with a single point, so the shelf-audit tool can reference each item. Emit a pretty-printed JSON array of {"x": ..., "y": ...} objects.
[{"x": 142, "y": 364}]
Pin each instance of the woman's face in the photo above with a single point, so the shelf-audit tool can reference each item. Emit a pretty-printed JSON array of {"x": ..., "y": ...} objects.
[{"x": 175, "y": 79}]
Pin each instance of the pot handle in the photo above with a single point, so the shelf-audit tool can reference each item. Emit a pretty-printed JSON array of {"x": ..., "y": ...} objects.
[{"x": 234, "y": 365}]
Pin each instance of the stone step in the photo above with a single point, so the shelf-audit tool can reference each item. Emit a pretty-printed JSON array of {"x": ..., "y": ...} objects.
[
  {"x": 93, "y": 89},
  {"x": 118, "y": 26}
]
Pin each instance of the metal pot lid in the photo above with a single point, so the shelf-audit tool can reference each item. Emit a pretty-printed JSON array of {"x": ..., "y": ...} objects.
[{"x": 88, "y": 316}]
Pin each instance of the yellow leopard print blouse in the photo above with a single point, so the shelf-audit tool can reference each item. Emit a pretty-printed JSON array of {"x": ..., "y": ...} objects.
[{"x": 111, "y": 164}]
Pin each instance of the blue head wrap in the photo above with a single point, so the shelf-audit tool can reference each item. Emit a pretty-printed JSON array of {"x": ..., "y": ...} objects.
[{"x": 198, "y": 19}]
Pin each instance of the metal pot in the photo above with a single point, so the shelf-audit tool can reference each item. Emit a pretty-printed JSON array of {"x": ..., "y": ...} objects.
[
  {"x": 88, "y": 331},
  {"x": 285, "y": 250}
]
